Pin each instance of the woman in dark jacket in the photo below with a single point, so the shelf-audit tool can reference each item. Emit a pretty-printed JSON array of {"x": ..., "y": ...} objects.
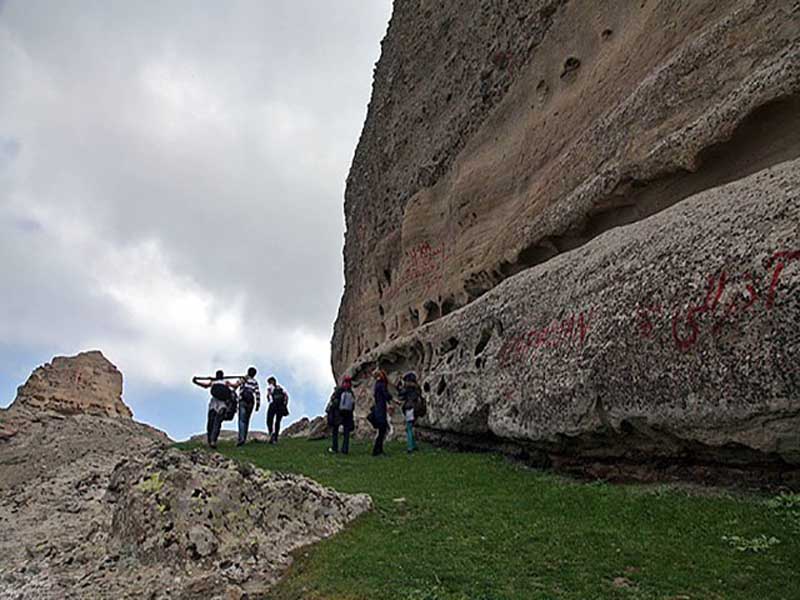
[{"x": 381, "y": 410}]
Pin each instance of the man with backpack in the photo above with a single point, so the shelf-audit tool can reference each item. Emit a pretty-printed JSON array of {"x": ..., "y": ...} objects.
[
  {"x": 222, "y": 398},
  {"x": 249, "y": 398},
  {"x": 277, "y": 409},
  {"x": 340, "y": 413}
]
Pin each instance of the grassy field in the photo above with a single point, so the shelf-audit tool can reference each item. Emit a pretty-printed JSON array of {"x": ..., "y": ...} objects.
[{"x": 451, "y": 526}]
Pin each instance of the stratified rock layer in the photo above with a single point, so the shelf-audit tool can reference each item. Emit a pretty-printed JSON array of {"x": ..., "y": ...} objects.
[
  {"x": 98, "y": 506},
  {"x": 505, "y": 150},
  {"x": 500, "y": 136},
  {"x": 677, "y": 338}
]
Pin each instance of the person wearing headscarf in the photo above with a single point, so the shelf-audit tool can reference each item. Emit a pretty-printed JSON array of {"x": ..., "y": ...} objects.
[{"x": 340, "y": 413}]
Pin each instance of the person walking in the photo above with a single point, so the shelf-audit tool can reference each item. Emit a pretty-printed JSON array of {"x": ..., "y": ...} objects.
[
  {"x": 277, "y": 409},
  {"x": 221, "y": 396},
  {"x": 341, "y": 408},
  {"x": 409, "y": 394},
  {"x": 380, "y": 410},
  {"x": 249, "y": 398}
]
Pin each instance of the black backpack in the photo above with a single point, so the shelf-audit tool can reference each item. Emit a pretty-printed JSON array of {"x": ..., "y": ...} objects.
[
  {"x": 220, "y": 391},
  {"x": 281, "y": 400},
  {"x": 420, "y": 406},
  {"x": 246, "y": 395},
  {"x": 278, "y": 395}
]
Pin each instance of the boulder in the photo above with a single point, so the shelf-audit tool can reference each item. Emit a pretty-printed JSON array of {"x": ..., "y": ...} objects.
[
  {"x": 297, "y": 429},
  {"x": 674, "y": 338},
  {"x": 491, "y": 195}
]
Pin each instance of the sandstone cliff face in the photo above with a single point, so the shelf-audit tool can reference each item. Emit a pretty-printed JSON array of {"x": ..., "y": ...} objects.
[
  {"x": 502, "y": 135},
  {"x": 96, "y": 505},
  {"x": 505, "y": 140}
]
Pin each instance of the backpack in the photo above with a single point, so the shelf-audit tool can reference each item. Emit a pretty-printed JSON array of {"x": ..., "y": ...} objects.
[
  {"x": 420, "y": 407},
  {"x": 281, "y": 400},
  {"x": 246, "y": 395},
  {"x": 220, "y": 391},
  {"x": 230, "y": 409},
  {"x": 347, "y": 401}
]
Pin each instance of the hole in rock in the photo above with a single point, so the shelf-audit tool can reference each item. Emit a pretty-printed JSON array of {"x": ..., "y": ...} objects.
[
  {"x": 441, "y": 387},
  {"x": 449, "y": 305},
  {"x": 448, "y": 345},
  {"x": 486, "y": 335},
  {"x": 432, "y": 311},
  {"x": 571, "y": 65}
]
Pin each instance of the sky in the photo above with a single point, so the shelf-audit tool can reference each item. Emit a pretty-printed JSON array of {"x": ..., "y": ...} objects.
[{"x": 171, "y": 189}]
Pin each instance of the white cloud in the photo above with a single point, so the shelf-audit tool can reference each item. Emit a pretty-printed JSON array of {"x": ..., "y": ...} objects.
[{"x": 171, "y": 180}]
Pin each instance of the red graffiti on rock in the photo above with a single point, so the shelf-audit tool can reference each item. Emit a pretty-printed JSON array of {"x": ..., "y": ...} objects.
[
  {"x": 569, "y": 332},
  {"x": 727, "y": 298},
  {"x": 423, "y": 266}
]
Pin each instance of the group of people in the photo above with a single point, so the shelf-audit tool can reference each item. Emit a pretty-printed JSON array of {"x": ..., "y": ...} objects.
[
  {"x": 242, "y": 394},
  {"x": 341, "y": 409}
]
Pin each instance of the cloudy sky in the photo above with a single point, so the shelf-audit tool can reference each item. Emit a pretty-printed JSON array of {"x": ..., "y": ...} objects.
[{"x": 171, "y": 189}]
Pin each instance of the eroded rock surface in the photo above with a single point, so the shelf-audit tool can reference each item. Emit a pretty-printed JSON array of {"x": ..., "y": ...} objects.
[
  {"x": 507, "y": 142},
  {"x": 98, "y": 506},
  {"x": 498, "y": 137},
  {"x": 674, "y": 338}
]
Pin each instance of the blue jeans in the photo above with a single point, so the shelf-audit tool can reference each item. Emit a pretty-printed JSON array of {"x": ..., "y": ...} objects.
[
  {"x": 245, "y": 410},
  {"x": 412, "y": 445},
  {"x": 274, "y": 416}
]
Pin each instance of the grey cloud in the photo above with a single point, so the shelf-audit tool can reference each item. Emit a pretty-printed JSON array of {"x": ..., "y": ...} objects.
[{"x": 223, "y": 130}]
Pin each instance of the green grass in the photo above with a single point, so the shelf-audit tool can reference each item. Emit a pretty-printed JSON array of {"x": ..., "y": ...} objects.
[{"x": 477, "y": 527}]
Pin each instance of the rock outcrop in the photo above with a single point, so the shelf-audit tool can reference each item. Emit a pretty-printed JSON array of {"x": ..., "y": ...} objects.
[
  {"x": 99, "y": 506},
  {"x": 84, "y": 384},
  {"x": 313, "y": 429},
  {"x": 505, "y": 149}
]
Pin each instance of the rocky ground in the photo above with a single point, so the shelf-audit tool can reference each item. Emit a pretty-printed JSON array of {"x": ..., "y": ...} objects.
[{"x": 99, "y": 506}]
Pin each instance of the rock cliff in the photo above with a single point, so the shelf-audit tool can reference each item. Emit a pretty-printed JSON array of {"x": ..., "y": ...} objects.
[
  {"x": 96, "y": 505},
  {"x": 536, "y": 221}
]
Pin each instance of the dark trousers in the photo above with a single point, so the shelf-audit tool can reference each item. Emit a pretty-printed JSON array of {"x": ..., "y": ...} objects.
[
  {"x": 346, "y": 422},
  {"x": 345, "y": 440},
  {"x": 213, "y": 427},
  {"x": 245, "y": 410},
  {"x": 377, "y": 448},
  {"x": 274, "y": 416}
]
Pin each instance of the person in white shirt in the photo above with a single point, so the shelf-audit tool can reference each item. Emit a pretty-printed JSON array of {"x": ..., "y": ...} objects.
[{"x": 249, "y": 398}]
